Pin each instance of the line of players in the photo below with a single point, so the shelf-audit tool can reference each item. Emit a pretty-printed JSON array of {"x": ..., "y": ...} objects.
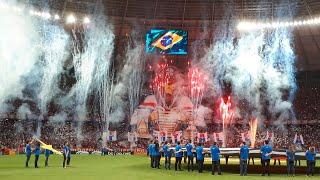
[
  {"x": 198, "y": 152},
  {"x": 66, "y": 152}
]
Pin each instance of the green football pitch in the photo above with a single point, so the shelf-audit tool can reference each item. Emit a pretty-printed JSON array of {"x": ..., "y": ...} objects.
[{"x": 122, "y": 167}]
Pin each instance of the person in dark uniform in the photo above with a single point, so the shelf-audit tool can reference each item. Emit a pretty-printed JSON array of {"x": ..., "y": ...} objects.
[
  {"x": 69, "y": 155},
  {"x": 156, "y": 154},
  {"x": 189, "y": 148},
  {"x": 265, "y": 158},
  {"x": 37, "y": 152},
  {"x": 47, "y": 153},
  {"x": 150, "y": 152},
  {"x": 28, "y": 153},
  {"x": 178, "y": 154}
]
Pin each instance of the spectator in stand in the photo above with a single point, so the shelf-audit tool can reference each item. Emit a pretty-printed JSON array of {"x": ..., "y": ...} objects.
[
  {"x": 178, "y": 154},
  {"x": 200, "y": 157},
  {"x": 290, "y": 153},
  {"x": 244, "y": 155},
  {"x": 310, "y": 156},
  {"x": 28, "y": 153},
  {"x": 265, "y": 157},
  {"x": 215, "y": 156}
]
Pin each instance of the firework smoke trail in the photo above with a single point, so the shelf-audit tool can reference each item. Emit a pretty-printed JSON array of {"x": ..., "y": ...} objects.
[
  {"x": 18, "y": 54},
  {"x": 259, "y": 68},
  {"x": 53, "y": 46},
  {"x": 133, "y": 73},
  {"x": 92, "y": 66}
]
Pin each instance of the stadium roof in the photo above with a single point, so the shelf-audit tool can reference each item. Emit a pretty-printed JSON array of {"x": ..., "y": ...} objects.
[{"x": 198, "y": 16}]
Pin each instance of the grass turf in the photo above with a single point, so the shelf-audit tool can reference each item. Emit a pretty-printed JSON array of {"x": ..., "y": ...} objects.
[{"x": 87, "y": 167}]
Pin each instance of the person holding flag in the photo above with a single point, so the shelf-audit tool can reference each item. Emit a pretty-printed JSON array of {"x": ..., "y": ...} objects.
[
  {"x": 28, "y": 153},
  {"x": 215, "y": 156},
  {"x": 189, "y": 148},
  {"x": 244, "y": 155},
  {"x": 200, "y": 157},
  {"x": 266, "y": 151},
  {"x": 178, "y": 154}
]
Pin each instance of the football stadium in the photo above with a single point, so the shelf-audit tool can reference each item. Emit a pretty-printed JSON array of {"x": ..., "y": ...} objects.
[{"x": 159, "y": 89}]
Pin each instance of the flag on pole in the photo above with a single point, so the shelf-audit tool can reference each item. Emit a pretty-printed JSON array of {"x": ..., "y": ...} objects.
[
  {"x": 112, "y": 136},
  {"x": 176, "y": 136}
]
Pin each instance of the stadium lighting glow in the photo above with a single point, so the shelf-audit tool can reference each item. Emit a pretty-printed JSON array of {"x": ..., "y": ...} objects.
[
  {"x": 71, "y": 19},
  {"x": 86, "y": 20},
  {"x": 251, "y": 25},
  {"x": 56, "y": 17}
]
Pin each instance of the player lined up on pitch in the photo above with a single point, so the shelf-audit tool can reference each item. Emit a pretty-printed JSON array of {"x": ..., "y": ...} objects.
[
  {"x": 191, "y": 152},
  {"x": 47, "y": 151}
]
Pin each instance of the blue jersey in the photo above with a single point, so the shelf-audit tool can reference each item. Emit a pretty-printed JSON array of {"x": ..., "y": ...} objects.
[
  {"x": 215, "y": 153},
  {"x": 199, "y": 151},
  {"x": 69, "y": 150},
  {"x": 149, "y": 149},
  {"x": 166, "y": 151},
  {"x": 152, "y": 150},
  {"x": 47, "y": 152},
  {"x": 37, "y": 151},
  {"x": 189, "y": 148},
  {"x": 28, "y": 150},
  {"x": 244, "y": 152},
  {"x": 66, "y": 151},
  {"x": 156, "y": 150},
  {"x": 310, "y": 156},
  {"x": 178, "y": 148},
  {"x": 290, "y": 155},
  {"x": 265, "y": 152}
]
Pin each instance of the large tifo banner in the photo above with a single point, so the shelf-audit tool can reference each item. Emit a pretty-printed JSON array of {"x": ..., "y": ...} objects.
[{"x": 167, "y": 41}]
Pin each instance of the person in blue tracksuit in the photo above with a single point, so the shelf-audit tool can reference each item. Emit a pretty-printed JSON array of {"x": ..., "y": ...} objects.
[
  {"x": 149, "y": 152},
  {"x": 66, "y": 155},
  {"x": 215, "y": 156},
  {"x": 167, "y": 155},
  {"x": 178, "y": 154},
  {"x": 244, "y": 155},
  {"x": 200, "y": 157},
  {"x": 311, "y": 160},
  {"x": 47, "y": 153},
  {"x": 189, "y": 148},
  {"x": 28, "y": 153},
  {"x": 290, "y": 153},
  {"x": 37, "y": 152},
  {"x": 266, "y": 150}
]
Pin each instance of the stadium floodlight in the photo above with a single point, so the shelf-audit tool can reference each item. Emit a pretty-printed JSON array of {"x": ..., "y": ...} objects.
[
  {"x": 46, "y": 15},
  {"x": 56, "y": 17},
  {"x": 86, "y": 20},
  {"x": 248, "y": 26},
  {"x": 71, "y": 19}
]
